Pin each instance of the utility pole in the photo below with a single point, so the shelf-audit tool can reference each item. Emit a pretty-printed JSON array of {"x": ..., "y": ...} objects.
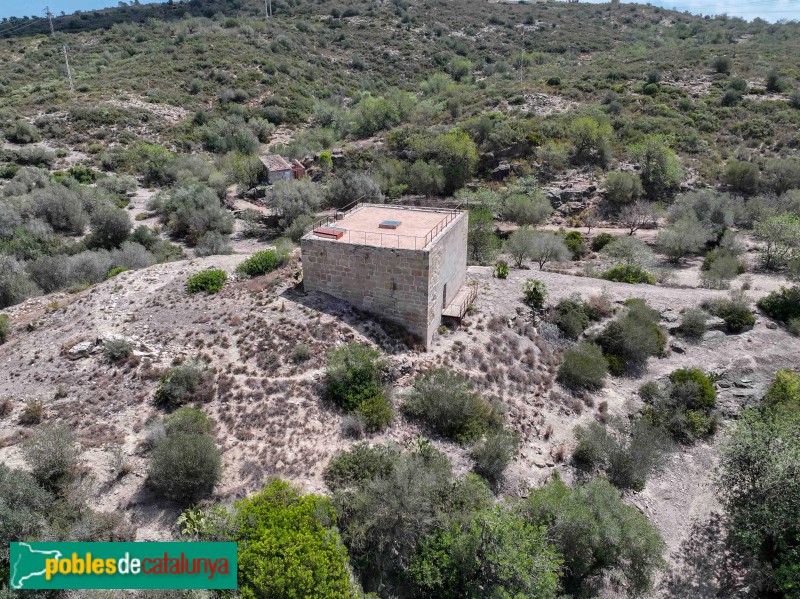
[
  {"x": 63, "y": 49},
  {"x": 49, "y": 18},
  {"x": 69, "y": 72}
]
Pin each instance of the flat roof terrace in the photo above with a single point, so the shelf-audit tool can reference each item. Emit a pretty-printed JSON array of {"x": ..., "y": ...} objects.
[{"x": 410, "y": 228}]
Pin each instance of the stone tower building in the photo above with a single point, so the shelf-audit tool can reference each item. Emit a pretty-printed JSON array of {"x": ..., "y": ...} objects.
[{"x": 405, "y": 264}]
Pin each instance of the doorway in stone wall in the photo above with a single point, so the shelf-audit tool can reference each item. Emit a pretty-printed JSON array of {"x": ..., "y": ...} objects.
[{"x": 444, "y": 296}]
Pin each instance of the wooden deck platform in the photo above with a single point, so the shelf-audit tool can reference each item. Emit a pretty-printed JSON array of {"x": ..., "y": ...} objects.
[{"x": 461, "y": 302}]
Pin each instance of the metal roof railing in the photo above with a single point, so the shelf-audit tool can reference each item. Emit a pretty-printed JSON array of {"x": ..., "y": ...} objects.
[{"x": 391, "y": 240}]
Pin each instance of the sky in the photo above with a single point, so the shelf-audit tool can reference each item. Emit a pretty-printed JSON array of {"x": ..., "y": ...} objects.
[
  {"x": 21, "y": 8},
  {"x": 769, "y": 10}
]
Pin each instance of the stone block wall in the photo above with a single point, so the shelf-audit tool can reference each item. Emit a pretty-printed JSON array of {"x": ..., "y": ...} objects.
[
  {"x": 402, "y": 285},
  {"x": 392, "y": 283},
  {"x": 448, "y": 270}
]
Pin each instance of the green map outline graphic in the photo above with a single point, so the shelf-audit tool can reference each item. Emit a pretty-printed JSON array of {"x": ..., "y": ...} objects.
[{"x": 15, "y": 575}]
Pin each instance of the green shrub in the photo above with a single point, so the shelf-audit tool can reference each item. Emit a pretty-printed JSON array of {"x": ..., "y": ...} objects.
[
  {"x": 722, "y": 65},
  {"x": 118, "y": 349},
  {"x": 482, "y": 242},
  {"x": 491, "y": 552},
  {"x": 184, "y": 383},
  {"x": 602, "y": 240},
  {"x": 22, "y": 132},
  {"x": 597, "y": 533},
  {"x": 659, "y": 167},
  {"x": 572, "y": 317},
  {"x": 741, "y": 176},
  {"x": 622, "y": 189},
  {"x": 731, "y": 97},
  {"x": 693, "y": 324},
  {"x": 110, "y": 227},
  {"x": 32, "y": 413},
  {"x": 793, "y": 326},
  {"x": 784, "y": 391},
  {"x": 631, "y": 338},
  {"x": 421, "y": 494},
  {"x": 529, "y": 208},
  {"x": 535, "y": 294},
  {"x": 734, "y": 311},
  {"x": 651, "y": 89},
  {"x": 213, "y": 243},
  {"x": 703, "y": 394},
  {"x": 794, "y": 98},
  {"x": 627, "y": 452},
  {"x": 289, "y": 546},
  {"x": 685, "y": 406},
  {"x": 575, "y": 243},
  {"x": 24, "y": 511},
  {"x": 591, "y": 141},
  {"x": 493, "y": 453},
  {"x": 583, "y": 367},
  {"x": 115, "y": 271},
  {"x": 353, "y": 186},
  {"x": 209, "y": 281},
  {"x": 184, "y": 467},
  {"x": 376, "y": 412},
  {"x": 52, "y": 453},
  {"x": 301, "y": 353},
  {"x": 5, "y": 327},
  {"x": 782, "y": 305},
  {"x": 719, "y": 268},
  {"x": 447, "y": 403},
  {"x": 191, "y": 210},
  {"x": 629, "y": 273},
  {"x": 187, "y": 421},
  {"x": 261, "y": 263},
  {"x": 759, "y": 492},
  {"x": 353, "y": 375},
  {"x": 360, "y": 463},
  {"x": 501, "y": 270},
  {"x": 616, "y": 365}
]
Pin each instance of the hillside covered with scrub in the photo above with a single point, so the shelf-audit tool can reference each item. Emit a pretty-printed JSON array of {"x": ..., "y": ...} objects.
[{"x": 618, "y": 413}]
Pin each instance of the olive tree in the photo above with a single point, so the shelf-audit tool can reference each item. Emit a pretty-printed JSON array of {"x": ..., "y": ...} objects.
[
  {"x": 547, "y": 247},
  {"x": 192, "y": 210},
  {"x": 659, "y": 167},
  {"x": 628, "y": 250},
  {"x": 780, "y": 237},
  {"x": 292, "y": 199},
  {"x": 622, "y": 189},
  {"x": 520, "y": 245},
  {"x": 683, "y": 237}
]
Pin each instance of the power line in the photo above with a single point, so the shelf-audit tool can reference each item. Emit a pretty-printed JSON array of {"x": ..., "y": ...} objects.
[
  {"x": 63, "y": 49},
  {"x": 16, "y": 28}
]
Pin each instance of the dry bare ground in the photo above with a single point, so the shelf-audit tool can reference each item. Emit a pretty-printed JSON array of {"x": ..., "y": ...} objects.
[{"x": 271, "y": 418}]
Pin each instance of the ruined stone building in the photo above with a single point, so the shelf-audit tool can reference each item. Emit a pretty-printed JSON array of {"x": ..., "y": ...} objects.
[{"x": 405, "y": 264}]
